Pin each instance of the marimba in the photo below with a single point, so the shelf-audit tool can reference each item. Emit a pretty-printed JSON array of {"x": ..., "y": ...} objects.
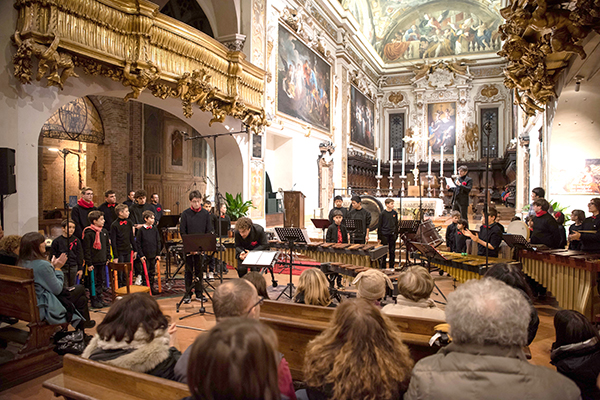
[
  {"x": 570, "y": 275},
  {"x": 463, "y": 268},
  {"x": 364, "y": 255},
  {"x": 353, "y": 270}
]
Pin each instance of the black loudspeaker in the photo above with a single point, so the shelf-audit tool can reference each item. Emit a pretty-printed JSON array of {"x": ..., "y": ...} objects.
[{"x": 8, "y": 181}]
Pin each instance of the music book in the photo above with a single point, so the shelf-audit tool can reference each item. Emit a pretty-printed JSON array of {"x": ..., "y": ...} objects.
[
  {"x": 450, "y": 183},
  {"x": 260, "y": 258}
]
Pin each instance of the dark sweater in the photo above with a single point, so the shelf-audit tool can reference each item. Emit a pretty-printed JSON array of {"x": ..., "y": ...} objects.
[
  {"x": 195, "y": 222},
  {"x": 591, "y": 241},
  {"x": 128, "y": 202},
  {"x": 574, "y": 244},
  {"x": 79, "y": 215},
  {"x": 332, "y": 234},
  {"x": 388, "y": 223},
  {"x": 492, "y": 235},
  {"x": 342, "y": 209},
  {"x": 227, "y": 221},
  {"x": 462, "y": 190},
  {"x": 545, "y": 231},
  {"x": 365, "y": 217},
  {"x": 459, "y": 243},
  {"x": 580, "y": 362},
  {"x": 158, "y": 212},
  {"x": 256, "y": 240},
  {"x": 451, "y": 237},
  {"x": 136, "y": 211},
  {"x": 148, "y": 242},
  {"x": 93, "y": 256},
  {"x": 72, "y": 247},
  {"x": 562, "y": 233},
  {"x": 109, "y": 213},
  {"x": 121, "y": 237}
]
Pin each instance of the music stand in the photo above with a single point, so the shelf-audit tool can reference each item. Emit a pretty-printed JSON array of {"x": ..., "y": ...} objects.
[
  {"x": 406, "y": 227},
  {"x": 430, "y": 253},
  {"x": 290, "y": 235},
  {"x": 198, "y": 243},
  {"x": 353, "y": 226},
  {"x": 168, "y": 221},
  {"x": 322, "y": 224},
  {"x": 264, "y": 259}
]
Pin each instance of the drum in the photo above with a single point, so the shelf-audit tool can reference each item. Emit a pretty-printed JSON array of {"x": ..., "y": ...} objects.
[
  {"x": 373, "y": 206},
  {"x": 429, "y": 234},
  {"x": 518, "y": 228}
]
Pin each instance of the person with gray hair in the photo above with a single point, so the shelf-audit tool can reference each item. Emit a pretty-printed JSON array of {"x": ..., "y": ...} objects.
[{"x": 488, "y": 325}]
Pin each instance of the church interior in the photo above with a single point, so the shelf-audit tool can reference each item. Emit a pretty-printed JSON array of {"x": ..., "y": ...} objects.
[{"x": 463, "y": 110}]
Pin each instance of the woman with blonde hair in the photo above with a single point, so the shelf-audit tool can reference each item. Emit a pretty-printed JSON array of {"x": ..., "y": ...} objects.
[
  {"x": 313, "y": 289},
  {"x": 359, "y": 356}
]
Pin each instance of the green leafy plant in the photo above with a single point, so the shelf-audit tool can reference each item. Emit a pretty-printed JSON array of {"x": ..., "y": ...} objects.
[
  {"x": 237, "y": 207},
  {"x": 557, "y": 207}
]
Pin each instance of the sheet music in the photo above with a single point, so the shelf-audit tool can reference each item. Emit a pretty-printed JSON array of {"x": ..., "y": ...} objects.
[
  {"x": 261, "y": 258},
  {"x": 450, "y": 182}
]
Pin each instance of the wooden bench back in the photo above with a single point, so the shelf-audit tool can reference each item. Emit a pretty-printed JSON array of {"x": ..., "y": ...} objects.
[
  {"x": 17, "y": 293},
  {"x": 86, "y": 379}
]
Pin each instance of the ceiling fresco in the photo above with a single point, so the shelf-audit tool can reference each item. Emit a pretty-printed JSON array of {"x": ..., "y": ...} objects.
[{"x": 402, "y": 30}]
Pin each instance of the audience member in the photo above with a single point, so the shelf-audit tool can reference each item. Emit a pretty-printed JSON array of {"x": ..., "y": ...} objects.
[
  {"x": 514, "y": 277},
  {"x": 415, "y": 286},
  {"x": 313, "y": 289},
  {"x": 56, "y": 304},
  {"x": 576, "y": 352},
  {"x": 237, "y": 359},
  {"x": 372, "y": 285},
  {"x": 488, "y": 325},
  {"x": 136, "y": 335},
  {"x": 259, "y": 282},
  {"x": 9, "y": 249},
  {"x": 577, "y": 216},
  {"x": 359, "y": 356}
]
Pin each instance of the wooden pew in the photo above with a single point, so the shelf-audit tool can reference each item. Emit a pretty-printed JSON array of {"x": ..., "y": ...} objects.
[
  {"x": 85, "y": 379},
  {"x": 297, "y": 324},
  {"x": 18, "y": 299}
]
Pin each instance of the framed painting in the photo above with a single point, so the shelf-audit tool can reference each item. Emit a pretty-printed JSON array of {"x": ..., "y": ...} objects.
[
  {"x": 441, "y": 126},
  {"x": 577, "y": 177},
  {"x": 362, "y": 117},
  {"x": 304, "y": 82}
]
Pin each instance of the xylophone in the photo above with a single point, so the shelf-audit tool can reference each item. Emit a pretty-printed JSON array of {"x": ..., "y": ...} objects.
[
  {"x": 352, "y": 270},
  {"x": 462, "y": 268},
  {"x": 570, "y": 275},
  {"x": 364, "y": 255}
]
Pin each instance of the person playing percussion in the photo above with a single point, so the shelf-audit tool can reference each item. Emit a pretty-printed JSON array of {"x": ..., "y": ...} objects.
[
  {"x": 577, "y": 216},
  {"x": 490, "y": 235},
  {"x": 590, "y": 229}
]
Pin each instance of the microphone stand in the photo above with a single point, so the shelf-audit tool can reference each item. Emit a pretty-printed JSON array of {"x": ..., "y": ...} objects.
[{"x": 487, "y": 130}]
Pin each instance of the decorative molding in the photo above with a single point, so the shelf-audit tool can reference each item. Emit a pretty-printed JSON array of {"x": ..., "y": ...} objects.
[
  {"x": 234, "y": 42},
  {"x": 258, "y": 32}
]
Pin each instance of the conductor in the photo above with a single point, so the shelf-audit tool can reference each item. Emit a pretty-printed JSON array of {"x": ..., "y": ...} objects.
[
  {"x": 460, "y": 193},
  {"x": 248, "y": 237}
]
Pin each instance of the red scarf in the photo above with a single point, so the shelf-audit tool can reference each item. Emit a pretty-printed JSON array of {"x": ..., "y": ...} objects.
[
  {"x": 196, "y": 210},
  {"x": 540, "y": 213},
  {"x": 339, "y": 238},
  {"x": 97, "y": 229},
  {"x": 85, "y": 204}
]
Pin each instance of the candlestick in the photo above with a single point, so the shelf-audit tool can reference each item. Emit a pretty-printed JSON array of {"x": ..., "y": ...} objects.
[
  {"x": 378, "y": 177},
  {"x": 429, "y": 177},
  {"x": 391, "y": 161},
  {"x": 378, "y": 161},
  {"x": 442, "y": 183},
  {"x": 402, "y": 179},
  {"x": 403, "y": 159},
  {"x": 429, "y": 169},
  {"x": 455, "y": 169}
]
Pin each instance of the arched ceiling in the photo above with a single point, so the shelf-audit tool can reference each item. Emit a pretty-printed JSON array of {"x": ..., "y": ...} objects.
[{"x": 416, "y": 29}]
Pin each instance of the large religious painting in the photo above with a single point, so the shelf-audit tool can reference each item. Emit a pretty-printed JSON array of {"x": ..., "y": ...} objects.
[
  {"x": 441, "y": 126},
  {"x": 177, "y": 148},
  {"x": 362, "y": 114},
  {"x": 417, "y": 29},
  {"x": 576, "y": 177},
  {"x": 304, "y": 82}
]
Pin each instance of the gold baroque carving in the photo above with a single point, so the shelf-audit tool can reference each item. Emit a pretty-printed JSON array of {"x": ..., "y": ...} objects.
[
  {"x": 489, "y": 91},
  {"x": 472, "y": 136},
  {"x": 396, "y": 97}
]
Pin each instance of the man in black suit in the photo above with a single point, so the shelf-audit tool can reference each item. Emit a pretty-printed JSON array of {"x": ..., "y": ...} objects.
[{"x": 460, "y": 197}]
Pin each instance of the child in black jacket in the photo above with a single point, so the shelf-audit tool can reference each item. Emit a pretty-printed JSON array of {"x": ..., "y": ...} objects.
[
  {"x": 460, "y": 240},
  {"x": 451, "y": 231},
  {"x": 71, "y": 246},
  {"x": 148, "y": 244},
  {"x": 96, "y": 253}
]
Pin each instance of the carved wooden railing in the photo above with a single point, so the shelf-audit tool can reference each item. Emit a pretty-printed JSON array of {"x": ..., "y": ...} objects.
[{"x": 131, "y": 42}]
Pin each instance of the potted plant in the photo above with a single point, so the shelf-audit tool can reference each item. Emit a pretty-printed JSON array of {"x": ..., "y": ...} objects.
[{"x": 236, "y": 206}]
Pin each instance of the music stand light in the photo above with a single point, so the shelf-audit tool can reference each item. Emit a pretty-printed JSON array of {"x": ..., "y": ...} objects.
[{"x": 290, "y": 235}]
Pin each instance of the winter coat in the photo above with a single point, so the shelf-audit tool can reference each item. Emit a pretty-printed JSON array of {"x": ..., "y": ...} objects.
[
  {"x": 155, "y": 358},
  {"x": 581, "y": 363},
  {"x": 424, "y": 308},
  {"x": 470, "y": 372}
]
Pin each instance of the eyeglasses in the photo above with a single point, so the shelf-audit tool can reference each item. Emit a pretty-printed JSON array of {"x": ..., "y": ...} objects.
[{"x": 258, "y": 303}]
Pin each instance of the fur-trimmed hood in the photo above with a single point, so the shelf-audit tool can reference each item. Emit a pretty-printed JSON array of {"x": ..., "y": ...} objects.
[{"x": 139, "y": 355}]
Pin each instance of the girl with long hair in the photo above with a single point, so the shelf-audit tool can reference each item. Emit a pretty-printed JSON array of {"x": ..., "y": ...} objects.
[
  {"x": 313, "y": 289},
  {"x": 359, "y": 356}
]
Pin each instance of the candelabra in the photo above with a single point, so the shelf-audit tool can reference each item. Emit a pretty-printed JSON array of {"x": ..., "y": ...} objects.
[
  {"x": 442, "y": 183},
  {"x": 415, "y": 172},
  {"x": 402, "y": 190},
  {"x": 391, "y": 192},
  {"x": 429, "y": 178},
  {"x": 378, "y": 177}
]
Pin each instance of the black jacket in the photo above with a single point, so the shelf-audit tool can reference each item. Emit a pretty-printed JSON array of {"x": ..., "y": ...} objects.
[
  {"x": 492, "y": 235},
  {"x": 136, "y": 211},
  {"x": 574, "y": 244},
  {"x": 591, "y": 241},
  {"x": 158, "y": 212},
  {"x": 459, "y": 243},
  {"x": 109, "y": 213},
  {"x": 365, "y": 217},
  {"x": 332, "y": 234},
  {"x": 563, "y": 236},
  {"x": 72, "y": 247},
  {"x": 462, "y": 190},
  {"x": 388, "y": 223},
  {"x": 121, "y": 237},
  {"x": 256, "y": 240},
  {"x": 545, "y": 231},
  {"x": 216, "y": 221},
  {"x": 344, "y": 214},
  {"x": 581, "y": 363},
  {"x": 93, "y": 256},
  {"x": 79, "y": 215},
  {"x": 195, "y": 222},
  {"x": 451, "y": 237},
  {"x": 148, "y": 242}
]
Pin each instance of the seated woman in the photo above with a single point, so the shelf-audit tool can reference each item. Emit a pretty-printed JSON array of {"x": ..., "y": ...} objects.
[
  {"x": 136, "y": 335},
  {"x": 313, "y": 289},
  {"x": 513, "y": 276},
  {"x": 576, "y": 352},
  {"x": 237, "y": 359},
  {"x": 9, "y": 249},
  {"x": 415, "y": 286},
  {"x": 372, "y": 285},
  {"x": 56, "y": 305},
  {"x": 359, "y": 356},
  {"x": 259, "y": 282}
]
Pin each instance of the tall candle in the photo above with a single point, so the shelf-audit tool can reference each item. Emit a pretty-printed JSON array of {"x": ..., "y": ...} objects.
[
  {"x": 441, "y": 162},
  {"x": 391, "y": 161},
  {"x": 429, "y": 160},
  {"x": 403, "y": 159},
  {"x": 379, "y": 162},
  {"x": 455, "y": 169}
]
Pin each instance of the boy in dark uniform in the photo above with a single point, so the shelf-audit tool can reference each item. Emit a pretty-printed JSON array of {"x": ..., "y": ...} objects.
[
  {"x": 387, "y": 232},
  {"x": 108, "y": 207},
  {"x": 545, "y": 227},
  {"x": 158, "y": 208},
  {"x": 80, "y": 212},
  {"x": 194, "y": 220},
  {"x": 577, "y": 216},
  {"x": 338, "y": 201},
  {"x": 71, "y": 246},
  {"x": 357, "y": 212},
  {"x": 451, "y": 231},
  {"x": 460, "y": 240},
  {"x": 590, "y": 242},
  {"x": 148, "y": 244},
  {"x": 490, "y": 235},
  {"x": 130, "y": 198},
  {"x": 96, "y": 252},
  {"x": 121, "y": 238},
  {"x": 337, "y": 233},
  {"x": 248, "y": 237},
  {"x": 137, "y": 209}
]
